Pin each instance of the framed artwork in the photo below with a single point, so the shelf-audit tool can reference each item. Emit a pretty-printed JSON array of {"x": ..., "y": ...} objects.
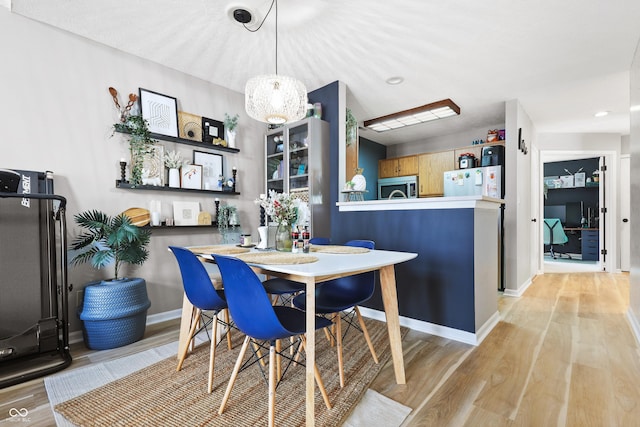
[
  {"x": 152, "y": 166},
  {"x": 211, "y": 129},
  {"x": 189, "y": 126},
  {"x": 579, "y": 179},
  {"x": 160, "y": 111},
  {"x": 186, "y": 213},
  {"x": 211, "y": 169},
  {"x": 191, "y": 177}
]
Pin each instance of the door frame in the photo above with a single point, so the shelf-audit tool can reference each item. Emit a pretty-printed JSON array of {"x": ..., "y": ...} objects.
[{"x": 610, "y": 196}]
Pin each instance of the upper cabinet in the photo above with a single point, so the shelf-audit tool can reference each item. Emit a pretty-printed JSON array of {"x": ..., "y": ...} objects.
[
  {"x": 399, "y": 166},
  {"x": 431, "y": 169}
]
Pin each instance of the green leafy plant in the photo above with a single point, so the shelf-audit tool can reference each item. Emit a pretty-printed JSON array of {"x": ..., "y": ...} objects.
[
  {"x": 140, "y": 143},
  {"x": 230, "y": 123},
  {"x": 352, "y": 127},
  {"x": 109, "y": 239},
  {"x": 173, "y": 160}
]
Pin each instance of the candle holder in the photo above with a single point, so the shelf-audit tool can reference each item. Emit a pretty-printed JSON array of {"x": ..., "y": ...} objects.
[
  {"x": 123, "y": 172},
  {"x": 217, "y": 202},
  {"x": 234, "y": 171},
  {"x": 262, "y": 216}
]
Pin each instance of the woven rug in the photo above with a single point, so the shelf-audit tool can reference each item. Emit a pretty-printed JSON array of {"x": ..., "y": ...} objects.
[
  {"x": 158, "y": 395},
  {"x": 337, "y": 249},
  {"x": 219, "y": 249},
  {"x": 281, "y": 258}
]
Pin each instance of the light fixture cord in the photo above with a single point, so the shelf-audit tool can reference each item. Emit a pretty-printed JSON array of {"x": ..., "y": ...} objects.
[{"x": 260, "y": 26}]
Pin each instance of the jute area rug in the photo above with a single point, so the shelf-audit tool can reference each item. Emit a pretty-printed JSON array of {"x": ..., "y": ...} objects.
[{"x": 159, "y": 396}]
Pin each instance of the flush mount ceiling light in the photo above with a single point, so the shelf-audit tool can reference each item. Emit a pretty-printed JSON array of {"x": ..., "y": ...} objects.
[
  {"x": 426, "y": 113},
  {"x": 273, "y": 98}
]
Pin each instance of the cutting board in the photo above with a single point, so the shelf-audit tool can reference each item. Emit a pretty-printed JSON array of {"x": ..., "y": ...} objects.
[{"x": 139, "y": 216}]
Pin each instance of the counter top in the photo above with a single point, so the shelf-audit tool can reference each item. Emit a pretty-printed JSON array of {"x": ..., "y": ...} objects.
[{"x": 458, "y": 202}]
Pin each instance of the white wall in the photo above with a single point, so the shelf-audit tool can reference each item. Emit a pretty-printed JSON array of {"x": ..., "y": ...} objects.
[
  {"x": 442, "y": 143},
  {"x": 634, "y": 276},
  {"x": 57, "y": 115}
]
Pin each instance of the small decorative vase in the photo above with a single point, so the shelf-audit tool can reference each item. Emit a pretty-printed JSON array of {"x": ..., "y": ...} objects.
[
  {"x": 231, "y": 138},
  {"x": 174, "y": 178},
  {"x": 284, "y": 241},
  {"x": 359, "y": 181}
]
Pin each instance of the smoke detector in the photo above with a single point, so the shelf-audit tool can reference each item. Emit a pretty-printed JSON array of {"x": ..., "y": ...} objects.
[{"x": 241, "y": 14}]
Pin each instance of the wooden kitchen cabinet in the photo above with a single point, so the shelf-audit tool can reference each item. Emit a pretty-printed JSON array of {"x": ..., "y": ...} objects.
[
  {"x": 398, "y": 166},
  {"x": 431, "y": 169}
]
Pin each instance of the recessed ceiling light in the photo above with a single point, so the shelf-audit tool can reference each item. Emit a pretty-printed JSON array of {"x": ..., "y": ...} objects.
[
  {"x": 601, "y": 113},
  {"x": 635, "y": 108},
  {"x": 395, "y": 80}
]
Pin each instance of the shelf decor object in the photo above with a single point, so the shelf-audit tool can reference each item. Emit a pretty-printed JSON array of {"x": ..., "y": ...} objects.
[
  {"x": 160, "y": 111},
  {"x": 274, "y": 98},
  {"x": 212, "y": 130},
  {"x": 191, "y": 177},
  {"x": 186, "y": 213},
  {"x": 189, "y": 126},
  {"x": 211, "y": 169}
]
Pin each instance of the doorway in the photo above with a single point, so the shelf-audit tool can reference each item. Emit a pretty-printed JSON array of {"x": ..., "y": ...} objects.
[{"x": 575, "y": 191}]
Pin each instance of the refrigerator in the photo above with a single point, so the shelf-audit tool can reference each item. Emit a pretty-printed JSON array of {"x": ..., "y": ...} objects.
[{"x": 483, "y": 181}]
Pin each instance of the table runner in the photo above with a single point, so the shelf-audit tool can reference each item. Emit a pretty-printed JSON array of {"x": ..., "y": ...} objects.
[
  {"x": 218, "y": 249},
  {"x": 277, "y": 258},
  {"x": 337, "y": 249}
]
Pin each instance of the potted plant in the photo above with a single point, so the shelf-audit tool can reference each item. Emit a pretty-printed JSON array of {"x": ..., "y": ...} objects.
[
  {"x": 173, "y": 161},
  {"x": 114, "y": 311},
  {"x": 140, "y": 143},
  {"x": 230, "y": 124}
]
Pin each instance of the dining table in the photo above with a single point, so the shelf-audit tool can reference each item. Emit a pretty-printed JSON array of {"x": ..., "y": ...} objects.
[{"x": 323, "y": 265}]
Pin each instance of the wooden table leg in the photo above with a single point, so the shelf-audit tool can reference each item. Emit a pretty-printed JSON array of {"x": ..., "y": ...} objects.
[
  {"x": 390, "y": 301},
  {"x": 185, "y": 324},
  {"x": 310, "y": 350}
]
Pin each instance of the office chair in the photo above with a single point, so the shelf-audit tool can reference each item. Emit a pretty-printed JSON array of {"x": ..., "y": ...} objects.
[
  {"x": 554, "y": 235},
  {"x": 203, "y": 296},
  {"x": 254, "y": 315},
  {"x": 338, "y": 295}
]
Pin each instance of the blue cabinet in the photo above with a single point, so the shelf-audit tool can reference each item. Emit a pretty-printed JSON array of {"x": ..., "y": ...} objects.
[{"x": 590, "y": 245}]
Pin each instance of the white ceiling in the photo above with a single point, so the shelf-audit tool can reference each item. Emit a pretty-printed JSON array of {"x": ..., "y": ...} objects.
[{"x": 563, "y": 60}]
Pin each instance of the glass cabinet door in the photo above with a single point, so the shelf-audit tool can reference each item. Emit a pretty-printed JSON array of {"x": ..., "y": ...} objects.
[
  {"x": 298, "y": 138},
  {"x": 276, "y": 161}
]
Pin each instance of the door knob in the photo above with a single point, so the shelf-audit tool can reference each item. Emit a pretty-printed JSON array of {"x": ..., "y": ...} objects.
[
  {"x": 533, "y": 220},
  {"x": 625, "y": 219}
]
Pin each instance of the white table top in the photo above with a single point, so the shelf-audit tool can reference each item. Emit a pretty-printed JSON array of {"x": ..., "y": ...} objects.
[{"x": 329, "y": 264}]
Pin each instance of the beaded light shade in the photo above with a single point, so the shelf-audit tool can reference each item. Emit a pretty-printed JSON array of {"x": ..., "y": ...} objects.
[{"x": 275, "y": 99}]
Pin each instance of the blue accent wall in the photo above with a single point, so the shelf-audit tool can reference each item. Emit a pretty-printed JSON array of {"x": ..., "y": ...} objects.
[
  {"x": 437, "y": 286},
  {"x": 369, "y": 152}
]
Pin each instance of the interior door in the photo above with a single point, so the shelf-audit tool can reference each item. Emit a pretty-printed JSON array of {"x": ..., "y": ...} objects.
[
  {"x": 603, "y": 214},
  {"x": 624, "y": 226}
]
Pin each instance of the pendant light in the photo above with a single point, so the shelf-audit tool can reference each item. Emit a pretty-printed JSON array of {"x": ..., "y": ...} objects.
[{"x": 273, "y": 98}]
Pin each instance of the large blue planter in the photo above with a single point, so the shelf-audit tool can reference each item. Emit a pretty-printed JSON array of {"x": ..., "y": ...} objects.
[{"x": 114, "y": 312}]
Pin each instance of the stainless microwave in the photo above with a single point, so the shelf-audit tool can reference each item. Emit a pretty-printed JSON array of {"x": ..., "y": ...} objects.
[{"x": 398, "y": 188}]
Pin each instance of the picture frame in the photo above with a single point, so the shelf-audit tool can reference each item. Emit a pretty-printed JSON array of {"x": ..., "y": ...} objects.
[
  {"x": 189, "y": 126},
  {"x": 579, "y": 179},
  {"x": 211, "y": 129},
  {"x": 211, "y": 169},
  {"x": 186, "y": 213},
  {"x": 160, "y": 111},
  {"x": 191, "y": 177}
]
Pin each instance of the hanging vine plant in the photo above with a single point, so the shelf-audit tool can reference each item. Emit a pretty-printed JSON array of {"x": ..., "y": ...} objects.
[
  {"x": 352, "y": 128},
  {"x": 140, "y": 143}
]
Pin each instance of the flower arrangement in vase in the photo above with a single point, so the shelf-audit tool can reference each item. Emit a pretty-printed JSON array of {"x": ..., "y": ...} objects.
[
  {"x": 174, "y": 161},
  {"x": 285, "y": 210},
  {"x": 230, "y": 124}
]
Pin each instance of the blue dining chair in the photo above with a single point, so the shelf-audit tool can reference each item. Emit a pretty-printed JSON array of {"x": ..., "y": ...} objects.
[
  {"x": 204, "y": 297},
  {"x": 285, "y": 289},
  {"x": 336, "y": 296},
  {"x": 254, "y": 315}
]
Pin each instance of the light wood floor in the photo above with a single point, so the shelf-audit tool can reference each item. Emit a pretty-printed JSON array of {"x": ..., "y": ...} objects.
[{"x": 563, "y": 355}]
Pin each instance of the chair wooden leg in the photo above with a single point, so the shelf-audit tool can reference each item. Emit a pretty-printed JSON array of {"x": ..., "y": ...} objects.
[
  {"x": 226, "y": 319},
  {"x": 328, "y": 335},
  {"x": 278, "y": 360},
  {"x": 272, "y": 385},
  {"x": 256, "y": 348},
  {"x": 212, "y": 354},
  {"x": 234, "y": 374},
  {"x": 366, "y": 335},
  {"x": 318, "y": 378},
  {"x": 338, "y": 327},
  {"x": 194, "y": 325}
]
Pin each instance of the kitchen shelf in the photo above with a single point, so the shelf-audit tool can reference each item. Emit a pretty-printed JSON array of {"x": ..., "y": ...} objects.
[
  {"x": 203, "y": 145},
  {"x": 128, "y": 186}
]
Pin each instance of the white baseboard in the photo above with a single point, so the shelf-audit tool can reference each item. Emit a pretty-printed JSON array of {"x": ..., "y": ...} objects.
[
  {"x": 518, "y": 292},
  {"x": 635, "y": 324},
  {"x": 438, "y": 330}
]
